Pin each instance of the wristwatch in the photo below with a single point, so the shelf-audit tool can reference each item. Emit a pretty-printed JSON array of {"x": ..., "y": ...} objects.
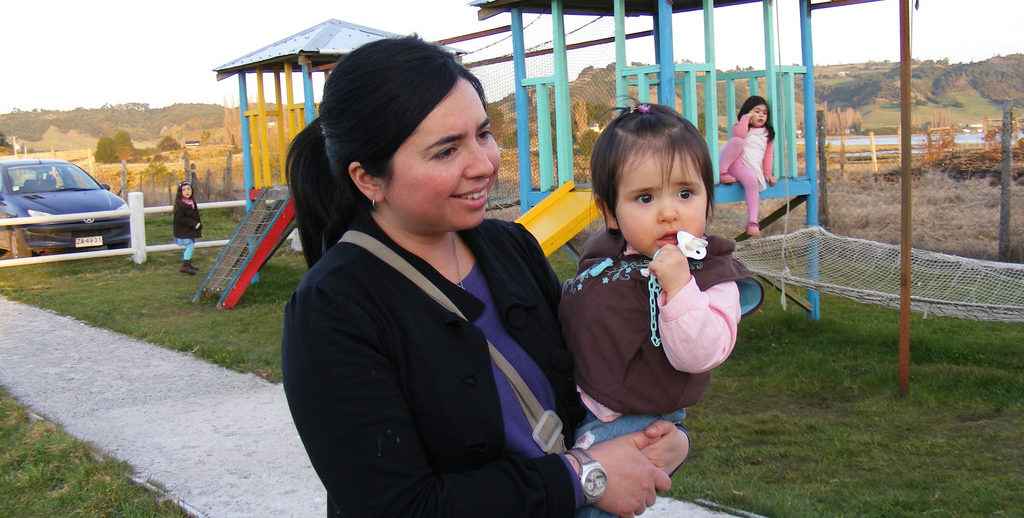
[{"x": 592, "y": 475}]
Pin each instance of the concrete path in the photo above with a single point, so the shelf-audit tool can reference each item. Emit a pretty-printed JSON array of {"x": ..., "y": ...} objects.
[{"x": 220, "y": 442}]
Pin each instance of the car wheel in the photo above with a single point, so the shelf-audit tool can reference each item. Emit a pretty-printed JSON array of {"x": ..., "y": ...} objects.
[{"x": 16, "y": 242}]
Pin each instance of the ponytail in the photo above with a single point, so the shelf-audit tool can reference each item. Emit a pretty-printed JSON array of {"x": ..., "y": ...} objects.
[{"x": 324, "y": 204}]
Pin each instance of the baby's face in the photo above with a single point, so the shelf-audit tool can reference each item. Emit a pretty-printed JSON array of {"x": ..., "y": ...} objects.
[{"x": 653, "y": 206}]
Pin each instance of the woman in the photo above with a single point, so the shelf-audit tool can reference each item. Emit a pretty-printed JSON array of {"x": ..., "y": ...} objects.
[{"x": 395, "y": 398}]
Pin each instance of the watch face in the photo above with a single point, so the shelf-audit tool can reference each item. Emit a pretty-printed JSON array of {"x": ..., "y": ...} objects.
[{"x": 595, "y": 483}]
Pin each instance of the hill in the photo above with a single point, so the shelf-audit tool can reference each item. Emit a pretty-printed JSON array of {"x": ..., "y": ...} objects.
[
  {"x": 41, "y": 130},
  {"x": 944, "y": 94}
]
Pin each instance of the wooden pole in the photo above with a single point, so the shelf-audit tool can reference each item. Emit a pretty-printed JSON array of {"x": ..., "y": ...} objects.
[
  {"x": 822, "y": 172},
  {"x": 1004, "y": 195},
  {"x": 842, "y": 153},
  {"x": 874, "y": 154},
  {"x": 124, "y": 181},
  {"x": 905, "y": 220}
]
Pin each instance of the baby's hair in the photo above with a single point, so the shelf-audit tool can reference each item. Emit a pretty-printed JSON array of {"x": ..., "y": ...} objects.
[
  {"x": 749, "y": 104},
  {"x": 647, "y": 130}
]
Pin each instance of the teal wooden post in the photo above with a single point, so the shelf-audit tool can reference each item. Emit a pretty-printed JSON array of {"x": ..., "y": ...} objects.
[
  {"x": 522, "y": 110},
  {"x": 309, "y": 105},
  {"x": 730, "y": 106},
  {"x": 243, "y": 106},
  {"x": 643, "y": 87},
  {"x": 810, "y": 145},
  {"x": 666, "y": 61},
  {"x": 789, "y": 104},
  {"x": 545, "y": 158},
  {"x": 771, "y": 76},
  {"x": 563, "y": 110},
  {"x": 689, "y": 95},
  {"x": 621, "y": 87},
  {"x": 711, "y": 86}
]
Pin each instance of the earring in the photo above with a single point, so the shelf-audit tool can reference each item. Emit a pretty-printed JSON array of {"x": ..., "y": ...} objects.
[{"x": 373, "y": 203}]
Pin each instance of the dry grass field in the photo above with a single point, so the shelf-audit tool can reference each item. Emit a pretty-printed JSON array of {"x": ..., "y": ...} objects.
[{"x": 952, "y": 216}]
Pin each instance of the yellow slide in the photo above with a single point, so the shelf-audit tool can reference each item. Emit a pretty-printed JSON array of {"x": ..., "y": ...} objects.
[{"x": 560, "y": 216}]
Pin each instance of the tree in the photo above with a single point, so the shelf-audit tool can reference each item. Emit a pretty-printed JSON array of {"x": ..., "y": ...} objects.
[
  {"x": 106, "y": 150},
  {"x": 168, "y": 143},
  {"x": 3, "y": 143},
  {"x": 123, "y": 145}
]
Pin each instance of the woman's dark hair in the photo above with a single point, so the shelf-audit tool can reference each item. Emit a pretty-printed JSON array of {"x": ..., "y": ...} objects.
[
  {"x": 749, "y": 104},
  {"x": 647, "y": 130},
  {"x": 373, "y": 100}
]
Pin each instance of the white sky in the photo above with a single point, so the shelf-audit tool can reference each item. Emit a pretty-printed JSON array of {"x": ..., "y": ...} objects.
[{"x": 63, "y": 54}]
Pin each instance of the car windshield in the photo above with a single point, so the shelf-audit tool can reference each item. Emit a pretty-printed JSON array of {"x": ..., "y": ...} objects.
[{"x": 48, "y": 178}]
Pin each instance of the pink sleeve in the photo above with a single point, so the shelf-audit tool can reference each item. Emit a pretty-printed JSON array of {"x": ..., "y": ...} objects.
[
  {"x": 698, "y": 328},
  {"x": 769, "y": 159},
  {"x": 741, "y": 128}
]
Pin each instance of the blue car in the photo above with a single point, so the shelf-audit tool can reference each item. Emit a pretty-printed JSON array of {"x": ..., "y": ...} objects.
[{"x": 51, "y": 187}]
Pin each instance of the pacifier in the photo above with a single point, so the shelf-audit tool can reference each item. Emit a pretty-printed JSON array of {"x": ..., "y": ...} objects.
[{"x": 692, "y": 246}]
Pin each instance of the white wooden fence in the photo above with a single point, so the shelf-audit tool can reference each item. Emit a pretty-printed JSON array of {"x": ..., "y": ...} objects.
[{"x": 136, "y": 213}]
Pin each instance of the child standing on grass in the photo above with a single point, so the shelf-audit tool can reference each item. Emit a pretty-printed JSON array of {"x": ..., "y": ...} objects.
[
  {"x": 749, "y": 155},
  {"x": 187, "y": 225},
  {"x": 646, "y": 323}
]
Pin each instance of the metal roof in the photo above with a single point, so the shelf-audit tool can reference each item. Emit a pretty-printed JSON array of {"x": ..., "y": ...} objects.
[{"x": 322, "y": 44}]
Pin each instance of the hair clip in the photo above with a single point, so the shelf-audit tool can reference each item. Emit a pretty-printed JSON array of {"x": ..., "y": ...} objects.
[{"x": 644, "y": 108}]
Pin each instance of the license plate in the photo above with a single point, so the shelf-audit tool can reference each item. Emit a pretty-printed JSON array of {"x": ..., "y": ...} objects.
[{"x": 81, "y": 242}]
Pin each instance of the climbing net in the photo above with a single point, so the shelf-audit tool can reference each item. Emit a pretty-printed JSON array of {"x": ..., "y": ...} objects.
[{"x": 869, "y": 272}]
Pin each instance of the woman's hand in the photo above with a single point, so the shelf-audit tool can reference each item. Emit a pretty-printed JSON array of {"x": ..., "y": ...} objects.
[
  {"x": 633, "y": 479},
  {"x": 669, "y": 448}
]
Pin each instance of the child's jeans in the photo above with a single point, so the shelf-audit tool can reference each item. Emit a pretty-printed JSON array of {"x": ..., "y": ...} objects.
[{"x": 593, "y": 430}]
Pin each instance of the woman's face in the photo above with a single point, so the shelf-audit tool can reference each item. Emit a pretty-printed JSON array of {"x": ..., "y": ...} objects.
[{"x": 442, "y": 173}]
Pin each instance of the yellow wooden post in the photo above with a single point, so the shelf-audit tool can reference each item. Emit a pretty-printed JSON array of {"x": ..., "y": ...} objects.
[
  {"x": 255, "y": 151},
  {"x": 289, "y": 102},
  {"x": 261, "y": 115},
  {"x": 281, "y": 122}
]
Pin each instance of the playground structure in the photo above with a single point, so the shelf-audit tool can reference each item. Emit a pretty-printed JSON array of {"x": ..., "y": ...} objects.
[
  {"x": 266, "y": 131},
  {"x": 546, "y": 152}
]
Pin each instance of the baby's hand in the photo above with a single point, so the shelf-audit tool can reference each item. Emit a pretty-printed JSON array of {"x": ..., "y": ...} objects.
[{"x": 671, "y": 269}]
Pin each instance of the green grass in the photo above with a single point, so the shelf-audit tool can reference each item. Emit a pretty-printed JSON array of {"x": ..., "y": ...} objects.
[
  {"x": 43, "y": 472},
  {"x": 804, "y": 419}
]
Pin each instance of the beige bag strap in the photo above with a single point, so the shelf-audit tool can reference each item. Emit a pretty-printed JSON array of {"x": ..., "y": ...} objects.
[{"x": 547, "y": 427}]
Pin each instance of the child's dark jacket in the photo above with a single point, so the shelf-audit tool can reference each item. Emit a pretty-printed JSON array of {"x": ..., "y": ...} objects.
[
  {"x": 605, "y": 317},
  {"x": 186, "y": 217}
]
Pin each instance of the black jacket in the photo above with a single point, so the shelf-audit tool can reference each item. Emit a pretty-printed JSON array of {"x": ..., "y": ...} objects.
[
  {"x": 394, "y": 397},
  {"x": 185, "y": 219}
]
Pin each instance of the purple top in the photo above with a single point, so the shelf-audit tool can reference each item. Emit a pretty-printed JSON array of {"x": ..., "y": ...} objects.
[{"x": 518, "y": 433}]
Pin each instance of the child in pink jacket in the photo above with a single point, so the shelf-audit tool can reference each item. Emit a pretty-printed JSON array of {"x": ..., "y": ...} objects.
[{"x": 748, "y": 156}]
